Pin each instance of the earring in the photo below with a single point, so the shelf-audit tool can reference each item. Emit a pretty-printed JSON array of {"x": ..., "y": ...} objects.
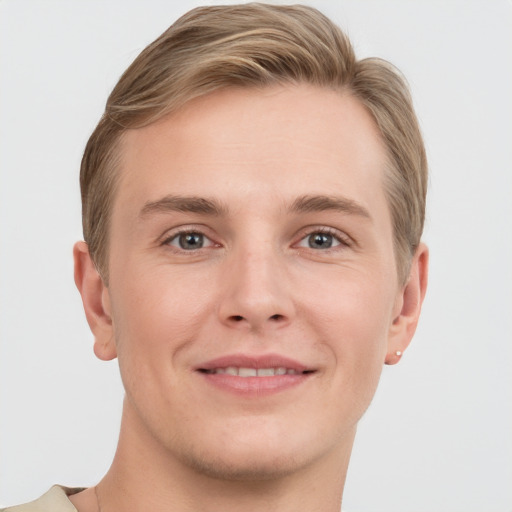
[{"x": 398, "y": 353}]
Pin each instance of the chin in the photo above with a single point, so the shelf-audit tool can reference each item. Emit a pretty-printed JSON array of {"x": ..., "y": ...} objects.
[
  {"x": 255, "y": 454},
  {"x": 251, "y": 467}
]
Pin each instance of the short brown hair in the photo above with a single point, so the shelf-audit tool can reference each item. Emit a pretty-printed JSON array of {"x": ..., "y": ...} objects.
[{"x": 255, "y": 45}]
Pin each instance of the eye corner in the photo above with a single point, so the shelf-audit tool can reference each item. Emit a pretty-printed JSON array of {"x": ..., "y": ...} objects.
[
  {"x": 323, "y": 239},
  {"x": 188, "y": 239}
]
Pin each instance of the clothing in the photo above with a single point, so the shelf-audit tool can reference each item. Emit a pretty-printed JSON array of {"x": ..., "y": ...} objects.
[{"x": 55, "y": 500}]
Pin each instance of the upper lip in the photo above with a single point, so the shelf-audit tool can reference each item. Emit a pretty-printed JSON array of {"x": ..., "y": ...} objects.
[{"x": 253, "y": 361}]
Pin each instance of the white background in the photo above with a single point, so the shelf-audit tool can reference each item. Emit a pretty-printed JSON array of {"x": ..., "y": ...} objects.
[{"x": 438, "y": 436}]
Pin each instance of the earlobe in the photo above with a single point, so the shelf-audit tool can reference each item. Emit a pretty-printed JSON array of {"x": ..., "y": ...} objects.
[
  {"x": 96, "y": 302},
  {"x": 409, "y": 306}
]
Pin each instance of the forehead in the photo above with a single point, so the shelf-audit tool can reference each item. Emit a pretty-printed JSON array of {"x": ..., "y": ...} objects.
[{"x": 285, "y": 139}]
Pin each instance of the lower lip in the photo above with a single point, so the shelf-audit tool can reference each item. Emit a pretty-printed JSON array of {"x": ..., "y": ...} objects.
[{"x": 254, "y": 386}]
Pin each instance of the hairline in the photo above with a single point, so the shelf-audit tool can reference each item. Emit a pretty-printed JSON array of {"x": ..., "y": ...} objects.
[{"x": 402, "y": 262}]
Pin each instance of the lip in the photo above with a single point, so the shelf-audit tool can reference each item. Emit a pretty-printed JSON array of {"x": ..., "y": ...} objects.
[
  {"x": 249, "y": 361},
  {"x": 254, "y": 386}
]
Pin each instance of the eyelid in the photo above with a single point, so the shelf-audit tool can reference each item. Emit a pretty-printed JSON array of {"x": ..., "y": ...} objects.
[
  {"x": 172, "y": 234},
  {"x": 342, "y": 237}
]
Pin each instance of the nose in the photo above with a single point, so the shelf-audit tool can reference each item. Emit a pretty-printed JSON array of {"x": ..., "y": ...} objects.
[{"x": 256, "y": 292}]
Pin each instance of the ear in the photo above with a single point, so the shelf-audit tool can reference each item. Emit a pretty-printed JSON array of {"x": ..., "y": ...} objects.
[
  {"x": 408, "y": 306},
  {"x": 96, "y": 301}
]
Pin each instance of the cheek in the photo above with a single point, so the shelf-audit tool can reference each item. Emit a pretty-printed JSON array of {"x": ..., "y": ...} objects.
[
  {"x": 155, "y": 316},
  {"x": 352, "y": 315},
  {"x": 355, "y": 305}
]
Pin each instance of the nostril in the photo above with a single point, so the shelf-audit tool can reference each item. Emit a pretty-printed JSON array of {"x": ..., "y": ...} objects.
[{"x": 239, "y": 318}]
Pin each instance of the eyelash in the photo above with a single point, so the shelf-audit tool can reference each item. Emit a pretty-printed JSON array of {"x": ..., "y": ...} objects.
[
  {"x": 343, "y": 239},
  {"x": 184, "y": 231}
]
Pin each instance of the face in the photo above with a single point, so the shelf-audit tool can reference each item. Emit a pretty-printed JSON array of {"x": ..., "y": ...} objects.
[{"x": 253, "y": 292}]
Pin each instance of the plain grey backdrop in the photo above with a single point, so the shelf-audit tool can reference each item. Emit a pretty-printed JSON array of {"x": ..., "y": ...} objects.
[{"x": 438, "y": 436}]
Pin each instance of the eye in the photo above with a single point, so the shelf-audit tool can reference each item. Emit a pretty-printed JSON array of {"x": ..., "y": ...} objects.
[
  {"x": 189, "y": 241},
  {"x": 319, "y": 240}
]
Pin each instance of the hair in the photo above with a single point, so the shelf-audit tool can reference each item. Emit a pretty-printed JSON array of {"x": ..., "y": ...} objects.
[{"x": 255, "y": 45}]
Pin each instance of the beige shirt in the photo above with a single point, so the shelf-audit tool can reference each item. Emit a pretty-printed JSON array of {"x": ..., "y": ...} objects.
[{"x": 55, "y": 500}]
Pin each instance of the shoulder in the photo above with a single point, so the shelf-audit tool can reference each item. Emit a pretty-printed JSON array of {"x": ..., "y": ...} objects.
[{"x": 55, "y": 500}]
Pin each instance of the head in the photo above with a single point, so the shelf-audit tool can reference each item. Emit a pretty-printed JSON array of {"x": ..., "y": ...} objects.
[
  {"x": 253, "y": 199},
  {"x": 256, "y": 45}
]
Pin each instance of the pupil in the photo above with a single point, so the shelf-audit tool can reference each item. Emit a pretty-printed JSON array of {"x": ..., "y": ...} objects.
[
  {"x": 320, "y": 241},
  {"x": 191, "y": 241}
]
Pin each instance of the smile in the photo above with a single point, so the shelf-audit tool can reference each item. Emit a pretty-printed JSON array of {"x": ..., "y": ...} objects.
[
  {"x": 253, "y": 372},
  {"x": 254, "y": 376}
]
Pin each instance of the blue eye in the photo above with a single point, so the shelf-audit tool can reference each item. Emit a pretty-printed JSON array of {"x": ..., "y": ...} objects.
[
  {"x": 189, "y": 241},
  {"x": 319, "y": 240}
]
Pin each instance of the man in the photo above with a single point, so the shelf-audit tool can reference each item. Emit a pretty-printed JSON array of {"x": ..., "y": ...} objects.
[{"x": 253, "y": 201}]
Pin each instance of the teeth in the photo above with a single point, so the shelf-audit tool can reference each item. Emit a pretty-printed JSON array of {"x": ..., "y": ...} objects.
[
  {"x": 247, "y": 372},
  {"x": 253, "y": 372},
  {"x": 266, "y": 372}
]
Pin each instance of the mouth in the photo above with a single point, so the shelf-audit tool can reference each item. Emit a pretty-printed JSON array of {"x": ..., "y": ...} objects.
[
  {"x": 254, "y": 375},
  {"x": 253, "y": 372}
]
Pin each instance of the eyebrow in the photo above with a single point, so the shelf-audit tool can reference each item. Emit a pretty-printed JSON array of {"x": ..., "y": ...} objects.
[
  {"x": 211, "y": 207},
  {"x": 185, "y": 204},
  {"x": 306, "y": 204}
]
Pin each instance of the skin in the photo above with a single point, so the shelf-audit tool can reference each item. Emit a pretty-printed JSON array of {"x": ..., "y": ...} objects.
[{"x": 264, "y": 281}]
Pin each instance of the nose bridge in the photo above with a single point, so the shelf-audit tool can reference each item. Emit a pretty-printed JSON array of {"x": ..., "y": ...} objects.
[{"x": 256, "y": 288}]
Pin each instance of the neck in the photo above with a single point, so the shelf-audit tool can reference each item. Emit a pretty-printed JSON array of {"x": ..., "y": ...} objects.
[{"x": 145, "y": 476}]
